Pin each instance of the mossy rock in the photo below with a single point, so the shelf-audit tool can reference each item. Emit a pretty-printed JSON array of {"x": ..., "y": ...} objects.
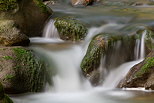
[
  {"x": 70, "y": 29},
  {"x": 30, "y": 15},
  {"x": 20, "y": 70},
  {"x": 10, "y": 35},
  {"x": 94, "y": 53},
  {"x": 6, "y": 5},
  {"x": 4, "y": 98},
  {"x": 108, "y": 47},
  {"x": 97, "y": 48},
  {"x": 141, "y": 75}
]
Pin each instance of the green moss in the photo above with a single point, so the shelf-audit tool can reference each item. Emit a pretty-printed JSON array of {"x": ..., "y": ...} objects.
[
  {"x": 6, "y": 5},
  {"x": 149, "y": 63},
  {"x": 32, "y": 69},
  {"x": 70, "y": 29},
  {"x": 7, "y": 57},
  {"x": 9, "y": 76},
  {"x": 40, "y": 4}
]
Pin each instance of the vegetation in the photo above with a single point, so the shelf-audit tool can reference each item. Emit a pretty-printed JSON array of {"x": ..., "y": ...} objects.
[
  {"x": 148, "y": 64},
  {"x": 6, "y": 5}
]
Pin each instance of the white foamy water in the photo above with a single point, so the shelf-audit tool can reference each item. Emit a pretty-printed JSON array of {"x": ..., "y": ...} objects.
[
  {"x": 118, "y": 73},
  {"x": 50, "y": 31}
]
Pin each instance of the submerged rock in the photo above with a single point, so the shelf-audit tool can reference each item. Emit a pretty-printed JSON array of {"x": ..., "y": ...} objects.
[
  {"x": 91, "y": 60},
  {"x": 6, "y": 5},
  {"x": 141, "y": 75},
  {"x": 20, "y": 70},
  {"x": 4, "y": 98},
  {"x": 98, "y": 48},
  {"x": 10, "y": 35},
  {"x": 110, "y": 50},
  {"x": 70, "y": 29}
]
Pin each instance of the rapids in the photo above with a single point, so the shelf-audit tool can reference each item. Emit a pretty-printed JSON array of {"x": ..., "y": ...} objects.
[{"x": 66, "y": 83}]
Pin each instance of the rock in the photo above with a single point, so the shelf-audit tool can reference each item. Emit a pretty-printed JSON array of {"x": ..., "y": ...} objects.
[
  {"x": 30, "y": 15},
  {"x": 91, "y": 60},
  {"x": 108, "y": 47},
  {"x": 20, "y": 70},
  {"x": 141, "y": 75},
  {"x": 70, "y": 29},
  {"x": 4, "y": 98},
  {"x": 10, "y": 35},
  {"x": 83, "y": 2},
  {"x": 6, "y": 5}
]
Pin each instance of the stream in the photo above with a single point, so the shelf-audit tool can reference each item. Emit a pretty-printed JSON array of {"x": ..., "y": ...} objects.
[{"x": 66, "y": 82}]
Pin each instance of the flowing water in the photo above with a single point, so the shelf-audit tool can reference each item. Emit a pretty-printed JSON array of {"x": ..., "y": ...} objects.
[{"x": 66, "y": 83}]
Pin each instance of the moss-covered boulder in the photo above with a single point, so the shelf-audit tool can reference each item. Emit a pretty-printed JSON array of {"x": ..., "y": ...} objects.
[
  {"x": 109, "y": 48},
  {"x": 70, "y": 29},
  {"x": 8, "y": 5},
  {"x": 20, "y": 70},
  {"x": 4, "y": 98},
  {"x": 30, "y": 15},
  {"x": 141, "y": 75},
  {"x": 10, "y": 35},
  {"x": 99, "y": 46}
]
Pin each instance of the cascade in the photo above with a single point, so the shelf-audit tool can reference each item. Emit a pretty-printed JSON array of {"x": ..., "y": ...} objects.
[
  {"x": 50, "y": 31},
  {"x": 68, "y": 84}
]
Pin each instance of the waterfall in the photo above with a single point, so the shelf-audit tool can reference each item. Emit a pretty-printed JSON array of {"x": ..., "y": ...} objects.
[
  {"x": 121, "y": 71},
  {"x": 50, "y": 31},
  {"x": 118, "y": 73},
  {"x": 142, "y": 54}
]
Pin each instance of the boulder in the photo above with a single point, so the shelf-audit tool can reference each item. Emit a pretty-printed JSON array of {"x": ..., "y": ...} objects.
[
  {"x": 141, "y": 75},
  {"x": 20, "y": 70},
  {"x": 10, "y": 34},
  {"x": 109, "y": 48},
  {"x": 30, "y": 15},
  {"x": 70, "y": 29},
  {"x": 3, "y": 97}
]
